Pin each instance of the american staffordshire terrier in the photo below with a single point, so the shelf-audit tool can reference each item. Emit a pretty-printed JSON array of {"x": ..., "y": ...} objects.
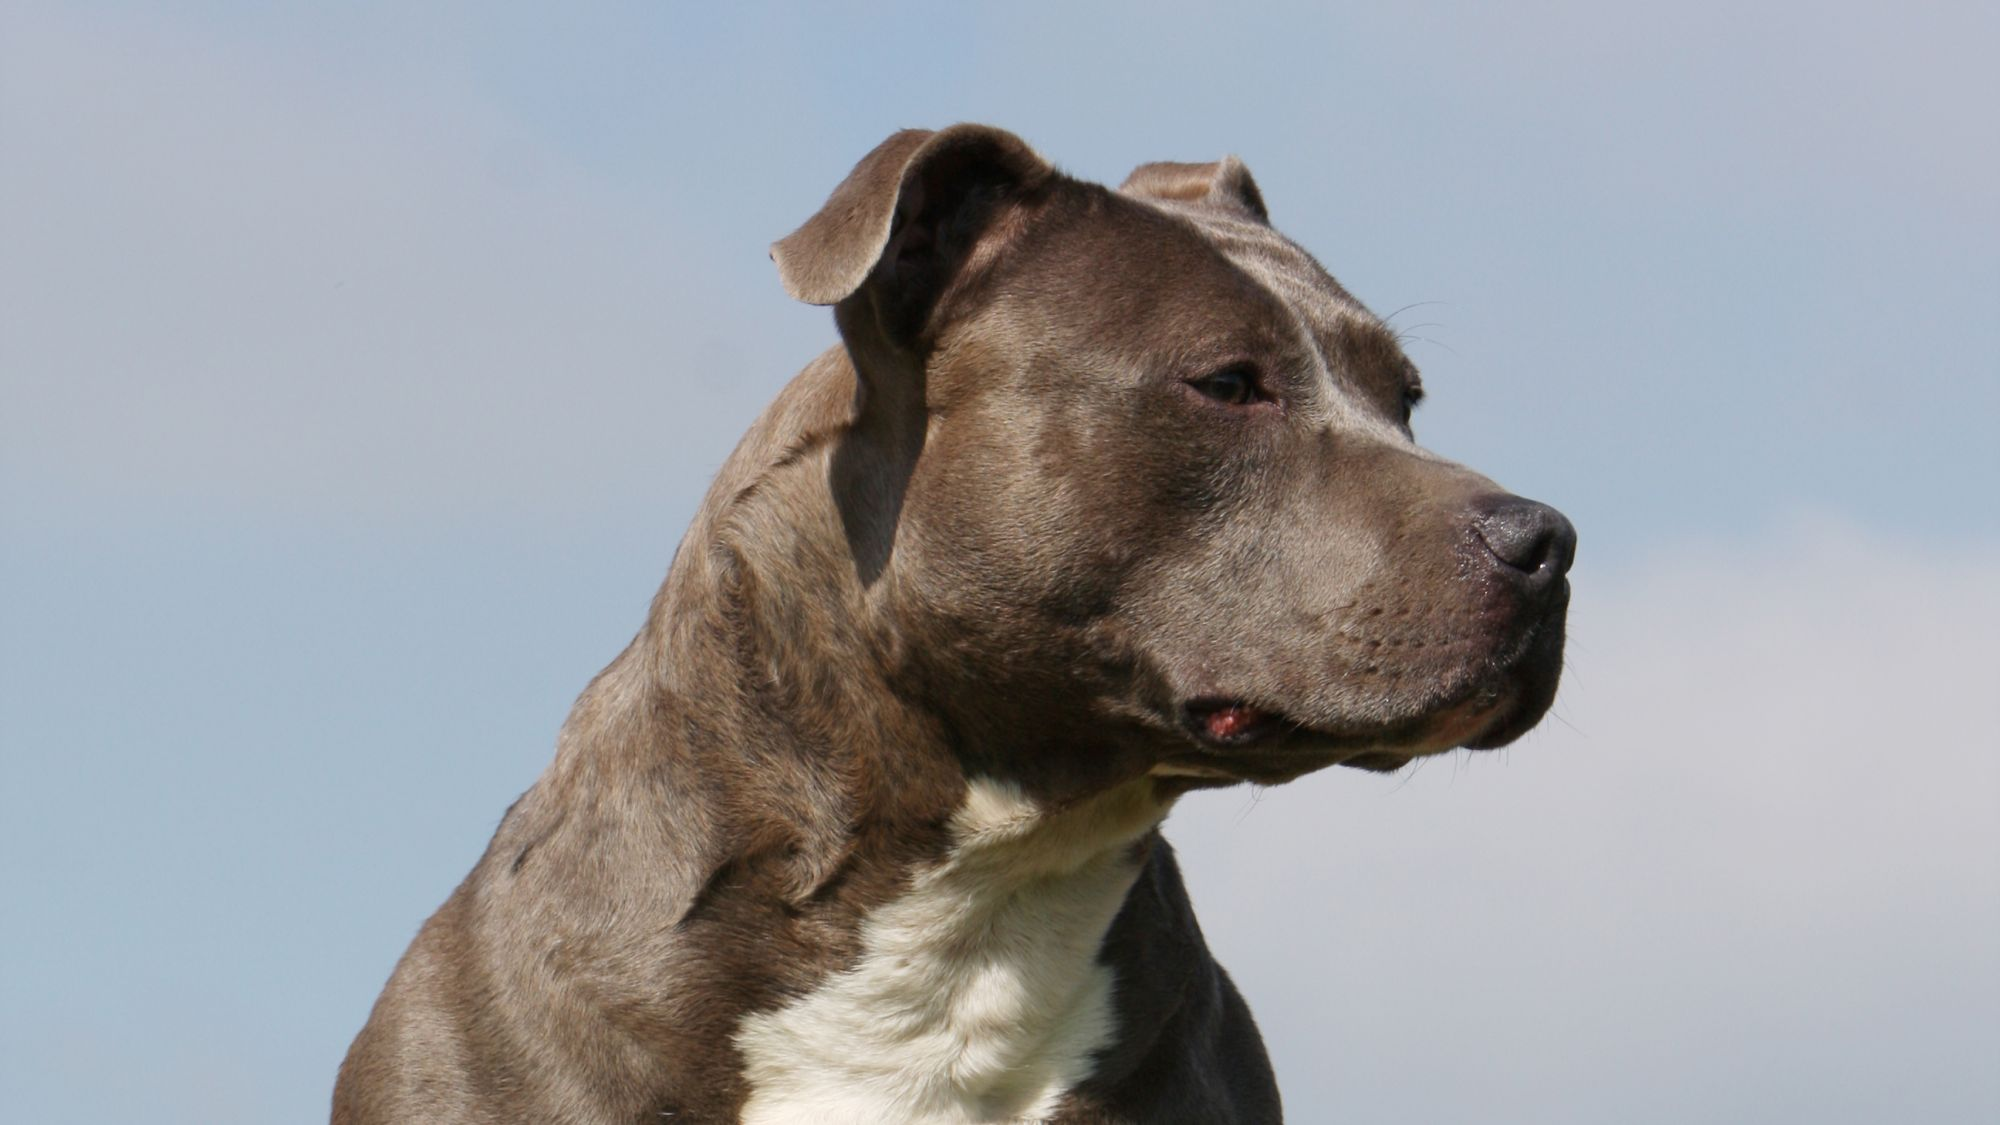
[{"x": 1105, "y": 496}]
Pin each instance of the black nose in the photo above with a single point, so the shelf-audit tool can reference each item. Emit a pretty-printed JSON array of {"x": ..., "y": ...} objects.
[{"x": 1533, "y": 541}]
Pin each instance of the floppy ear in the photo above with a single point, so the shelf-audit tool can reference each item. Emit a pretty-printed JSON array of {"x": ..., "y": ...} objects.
[
  {"x": 906, "y": 218},
  {"x": 1224, "y": 183},
  {"x": 887, "y": 246}
]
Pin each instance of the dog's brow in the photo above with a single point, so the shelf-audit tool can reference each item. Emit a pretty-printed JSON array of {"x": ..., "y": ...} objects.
[
  {"x": 1356, "y": 351},
  {"x": 1313, "y": 298},
  {"x": 1291, "y": 273},
  {"x": 1364, "y": 339}
]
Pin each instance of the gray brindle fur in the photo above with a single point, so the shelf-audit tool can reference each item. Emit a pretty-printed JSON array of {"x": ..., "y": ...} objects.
[{"x": 1105, "y": 496}]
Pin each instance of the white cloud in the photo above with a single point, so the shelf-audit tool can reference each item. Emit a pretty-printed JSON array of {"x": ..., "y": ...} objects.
[{"x": 1751, "y": 870}]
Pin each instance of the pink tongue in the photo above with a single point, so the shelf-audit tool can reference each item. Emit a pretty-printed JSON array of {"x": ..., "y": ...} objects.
[{"x": 1228, "y": 722}]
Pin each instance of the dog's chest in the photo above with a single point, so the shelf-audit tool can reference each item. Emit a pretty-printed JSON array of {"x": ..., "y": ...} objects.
[{"x": 978, "y": 996}]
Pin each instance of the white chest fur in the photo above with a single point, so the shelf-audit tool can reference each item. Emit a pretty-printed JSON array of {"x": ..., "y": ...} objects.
[{"x": 978, "y": 996}]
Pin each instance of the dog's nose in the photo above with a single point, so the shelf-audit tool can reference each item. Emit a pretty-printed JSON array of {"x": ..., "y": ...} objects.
[{"x": 1533, "y": 541}]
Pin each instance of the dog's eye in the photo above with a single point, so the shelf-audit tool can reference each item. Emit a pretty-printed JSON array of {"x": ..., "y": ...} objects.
[
  {"x": 1235, "y": 386},
  {"x": 1411, "y": 397}
]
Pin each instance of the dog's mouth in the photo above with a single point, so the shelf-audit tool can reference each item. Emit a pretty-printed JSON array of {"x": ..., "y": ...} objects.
[
  {"x": 1243, "y": 739},
  {"x": 1224, "y": 723}
]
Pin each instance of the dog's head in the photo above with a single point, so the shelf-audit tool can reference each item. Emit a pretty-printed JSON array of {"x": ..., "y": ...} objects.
[{"x": 1135, "y": 479}]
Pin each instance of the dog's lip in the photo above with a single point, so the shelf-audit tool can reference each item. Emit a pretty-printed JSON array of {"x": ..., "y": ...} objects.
[
  {"x": 1234, "y": 740},
  {"x": 1219, "y": 724},
  {"x": 1223, "y": 721},
  {"x": 1237, "y": 723}
]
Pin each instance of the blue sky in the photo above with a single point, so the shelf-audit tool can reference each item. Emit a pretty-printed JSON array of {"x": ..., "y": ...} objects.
[{"x": 361, "y": 366}]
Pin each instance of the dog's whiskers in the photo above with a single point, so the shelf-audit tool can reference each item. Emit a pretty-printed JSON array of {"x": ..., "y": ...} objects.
[{"x": 1391, "y": 318}]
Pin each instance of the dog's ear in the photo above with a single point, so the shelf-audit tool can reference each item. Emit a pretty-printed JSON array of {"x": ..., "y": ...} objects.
[
  {"x": 906, "y": 218},
  {"x": 1223, "y": 183},
  {"x": 888, "y": 246}
]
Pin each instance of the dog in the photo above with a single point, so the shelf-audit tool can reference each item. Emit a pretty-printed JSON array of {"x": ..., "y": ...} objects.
[{"x": 1104, "y": 497}]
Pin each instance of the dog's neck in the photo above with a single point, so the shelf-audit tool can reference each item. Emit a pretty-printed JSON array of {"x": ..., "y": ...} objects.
[
  {"x": 978, "y": 994},
  {"x": 963, "y": 916}
]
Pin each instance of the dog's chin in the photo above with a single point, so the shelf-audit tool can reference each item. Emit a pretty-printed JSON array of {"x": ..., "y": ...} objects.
[{"x": 1236, "y": 740}]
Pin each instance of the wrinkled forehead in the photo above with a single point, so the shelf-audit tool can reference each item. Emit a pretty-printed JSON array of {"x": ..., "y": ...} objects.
[
  {"x": 1341, "y": 327},
  {"x": 1148, "y": 284}
]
